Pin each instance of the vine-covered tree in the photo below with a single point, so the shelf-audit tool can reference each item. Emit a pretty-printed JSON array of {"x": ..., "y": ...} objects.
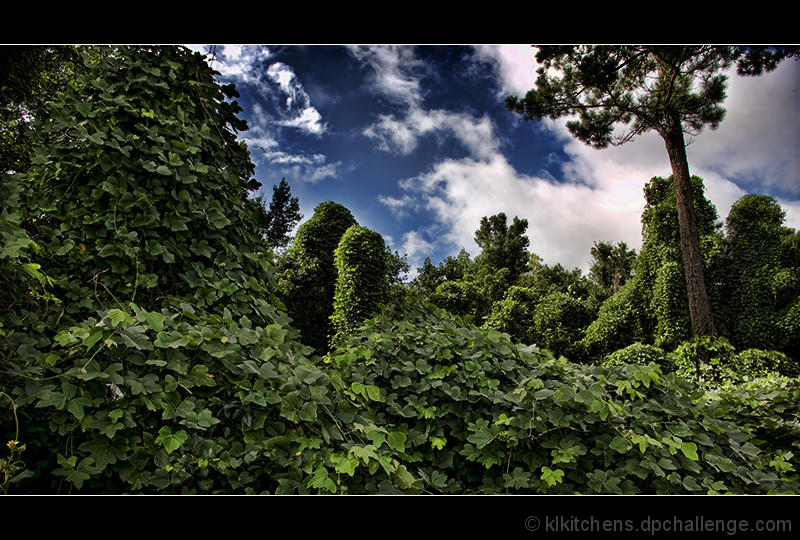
[
  {"x": 673, "y": 90},
  {"x": 306, "y": 280},
  {"x": 652, "y": 306},
  {"x": 763, "y": 278},
  {"x": 362, "y": 278}
]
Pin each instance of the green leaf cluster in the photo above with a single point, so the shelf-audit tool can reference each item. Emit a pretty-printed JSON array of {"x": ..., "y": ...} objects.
[{"x": 484, "y": 415}]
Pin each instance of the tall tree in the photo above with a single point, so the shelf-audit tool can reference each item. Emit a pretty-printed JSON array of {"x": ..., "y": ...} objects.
[
  {"x": 674, "y": 90},
  {"x": 277, "y": 221},
  {"x": 613, "y": 265},
  {"x": 503, "y": 245}
]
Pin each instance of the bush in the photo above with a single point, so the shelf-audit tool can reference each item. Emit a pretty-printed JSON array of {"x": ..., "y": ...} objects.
[
  {"x": 641, "y": 354},
  {"x": 754, "y": 363}
]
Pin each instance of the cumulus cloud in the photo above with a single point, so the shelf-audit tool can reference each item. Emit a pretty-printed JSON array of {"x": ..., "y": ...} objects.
[
  {"x": 514, "y": 65},
  {"x": 282, "y": 103},
  {"x": 402, "y": 134},
  {"x": 563, "y": 219},
  {"x": 244, "y": 65},
  {"x": 240, "y": 64},
  {"x": 393, "y": 71}
]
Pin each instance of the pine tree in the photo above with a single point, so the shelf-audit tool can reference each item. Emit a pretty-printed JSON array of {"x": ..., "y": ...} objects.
[{"x": 277, "y": 222}]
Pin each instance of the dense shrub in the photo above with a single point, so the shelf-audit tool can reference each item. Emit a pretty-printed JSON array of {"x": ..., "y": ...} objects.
[
  {"x": 476, "y": 413},
  {"x": 641, "y": 354},
  {"x": 463, "y": 298},
  {"x": 621, "y": 320},
  {"x": 513, "y": 314}
]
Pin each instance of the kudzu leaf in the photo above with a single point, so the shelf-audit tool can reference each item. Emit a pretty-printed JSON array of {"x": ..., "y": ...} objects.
[
  {"x": 396, "y": 441},
  {"x": 619, "y": 444},
  {"x": 552, "y": 477},
  {"x": 171, "y": 441},
  {"x": 155, "y": 320},
  {"x": 689, "y": 449}
]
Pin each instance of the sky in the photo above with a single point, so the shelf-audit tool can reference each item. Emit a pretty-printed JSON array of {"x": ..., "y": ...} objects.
[{"x": 416, "y": 142}]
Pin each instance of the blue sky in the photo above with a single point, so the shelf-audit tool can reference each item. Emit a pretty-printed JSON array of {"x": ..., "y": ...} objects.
[{"x": 416, "y": 142}]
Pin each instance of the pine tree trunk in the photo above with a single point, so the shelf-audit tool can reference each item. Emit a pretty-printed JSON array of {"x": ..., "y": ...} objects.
[{"x": 699, "y": 305}]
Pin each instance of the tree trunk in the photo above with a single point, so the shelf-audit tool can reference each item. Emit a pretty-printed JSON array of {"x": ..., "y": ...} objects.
[{"x": 699, "y": 305}]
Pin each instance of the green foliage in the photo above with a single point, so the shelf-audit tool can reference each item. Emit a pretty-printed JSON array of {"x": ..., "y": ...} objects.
[
  {"x": 513, "y": 314},
  {"x": 142, "y": 187},
  {"x": 462, "y": 297},
  {"x": 754, "y": 363},
  {"x": 763, "y": 277},
  {"x": 480, "y": 414},
  {"x": 612, "y": 266},
  {"x": 306, "y": 281},
  {"x": 635, "y": 87},
  {"x": 32, "y": 76},
  {"x": 621, "y": 320},
  {"x": 362, "y": 283},
  {"x": 429, "y": 277},
  {"x": 503, "y": 246},
  {"x": 653, "y": 306},
  {"x": 641, "y": 354},
  {"x": 558, "y": 322}
]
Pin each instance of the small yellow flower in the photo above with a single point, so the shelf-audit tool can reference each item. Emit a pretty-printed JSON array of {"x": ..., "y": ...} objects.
[
  {"x": 209, "y": 375},
  {"x": 298, "y": 453},
  {"x": 11, "y": 444}
]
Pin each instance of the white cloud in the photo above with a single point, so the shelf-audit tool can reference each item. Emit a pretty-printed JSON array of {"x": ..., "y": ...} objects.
[
  {"x": 393, "y": 71},
  {"x": 402, "y": 134},
  {"x": 415, "y": 246},
  {"x": 241, "y": 63},
  {"x": 563, "y": 219},
  {"x": 298, "y": 111},
  {"x": 515, "y": 66},
  {"x": 759, "y": 140}
]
